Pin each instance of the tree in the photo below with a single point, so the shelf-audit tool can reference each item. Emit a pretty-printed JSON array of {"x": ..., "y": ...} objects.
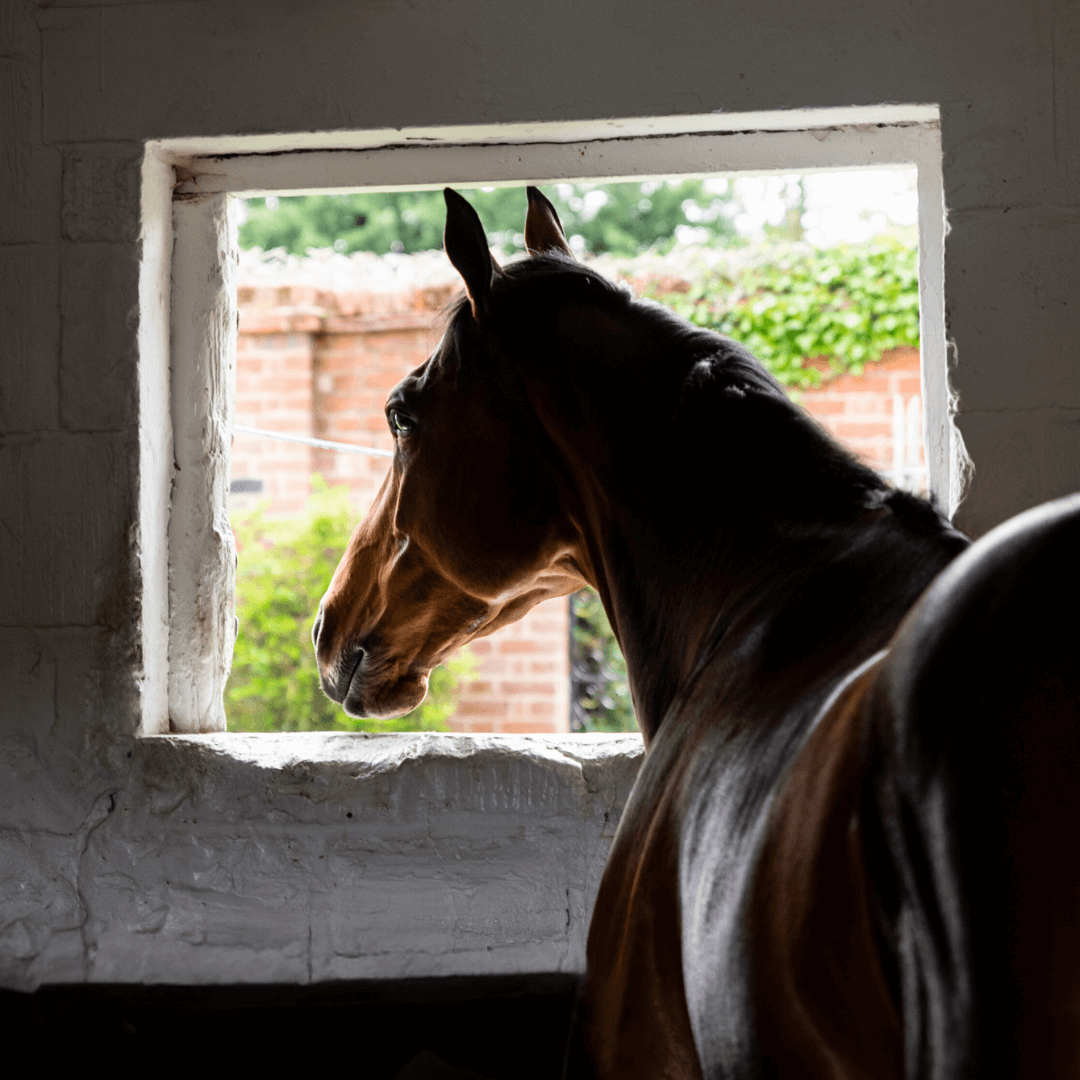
[{"x": 623, "y": 219}]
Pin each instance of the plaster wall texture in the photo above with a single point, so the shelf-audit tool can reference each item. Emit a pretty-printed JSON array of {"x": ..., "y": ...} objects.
[{"x": 96, "y": 824}]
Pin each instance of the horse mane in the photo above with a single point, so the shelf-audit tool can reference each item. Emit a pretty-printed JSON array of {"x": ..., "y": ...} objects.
[
  {"x": 718, "y": 372},
  {"x": 766, "y": 517}
]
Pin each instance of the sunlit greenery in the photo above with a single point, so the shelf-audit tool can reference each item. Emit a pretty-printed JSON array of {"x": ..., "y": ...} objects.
[
  {"x": 623, "y": 219},
  {"x": 601, "y": 692},
  {"x": 284, "y": 569},
  {"x": 847, "y": 304}
]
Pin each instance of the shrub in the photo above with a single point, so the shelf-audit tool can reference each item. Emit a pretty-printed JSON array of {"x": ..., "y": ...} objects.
[
  {"x": 600, "y": 693},
  {"x": 847, "y": 304},
  {"x": 284, "y": 569}
]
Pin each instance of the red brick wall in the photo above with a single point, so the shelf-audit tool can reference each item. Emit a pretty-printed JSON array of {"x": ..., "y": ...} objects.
[
  {"x": 523, "y": 683},
  {"x": 878, "y": 414},
  {"x": 274, "y": 392},
  {"x": 355, "y": 369}
]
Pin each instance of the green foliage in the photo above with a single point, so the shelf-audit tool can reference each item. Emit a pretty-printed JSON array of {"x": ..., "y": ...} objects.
[
  {"x": 847, "y": 304},
  {"x": 623, "y": 219},
  {"x": 284, "y": 569},
  {"x": 598, "y": 670}
]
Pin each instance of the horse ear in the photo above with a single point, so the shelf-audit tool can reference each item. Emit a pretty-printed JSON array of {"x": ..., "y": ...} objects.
[
  {"x": 543, "y": 229},
  {"x": 467, "y": 248}
]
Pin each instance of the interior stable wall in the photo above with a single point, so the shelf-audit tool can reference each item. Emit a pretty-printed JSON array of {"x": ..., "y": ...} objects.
[{"x": 128, "y": 859}]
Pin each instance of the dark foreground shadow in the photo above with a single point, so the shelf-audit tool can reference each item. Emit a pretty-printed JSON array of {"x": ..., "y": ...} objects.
[{"x": 490, "y": 1028}]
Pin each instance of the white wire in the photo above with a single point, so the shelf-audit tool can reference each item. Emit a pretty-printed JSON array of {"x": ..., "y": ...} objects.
[{"x": 322, "y": 444}]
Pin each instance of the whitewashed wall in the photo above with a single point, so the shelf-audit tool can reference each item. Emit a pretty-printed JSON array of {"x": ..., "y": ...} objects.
[{"x": 198, "y": 858}]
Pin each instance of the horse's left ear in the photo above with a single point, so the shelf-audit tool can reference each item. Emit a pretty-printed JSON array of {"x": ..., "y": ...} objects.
[
  {"x": 543, "y": 229},
  {"x": 467, "y": 248}
]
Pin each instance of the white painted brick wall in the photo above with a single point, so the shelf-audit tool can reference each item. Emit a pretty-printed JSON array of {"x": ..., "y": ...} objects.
[{"x": 97, "y": 825}]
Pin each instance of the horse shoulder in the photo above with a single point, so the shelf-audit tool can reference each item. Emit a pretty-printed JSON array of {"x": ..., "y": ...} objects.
[
  {"x": 634, "y": 1020},
  {"x": 821, "y": 996}
]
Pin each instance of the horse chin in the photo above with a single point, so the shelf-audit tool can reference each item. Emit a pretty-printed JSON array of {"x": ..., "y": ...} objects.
[{"x": 386, "y": 702}]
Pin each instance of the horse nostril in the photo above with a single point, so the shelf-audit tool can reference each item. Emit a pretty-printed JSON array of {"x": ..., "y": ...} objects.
[
  {"x": 315, "y": 628},
  {"x": 355, "y": 668}
]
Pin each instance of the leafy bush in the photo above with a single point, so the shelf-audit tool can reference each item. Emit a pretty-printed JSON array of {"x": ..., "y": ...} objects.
[
  {"x": 600, "y": 694},
  {"x": 284, "y": 569},
  {"x": 846, "y": 304}
]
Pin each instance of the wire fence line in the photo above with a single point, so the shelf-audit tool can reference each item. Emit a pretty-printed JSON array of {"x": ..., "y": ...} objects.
[
  {"x": 322, "y": 444},
  {"x": 908, "y": 477}
]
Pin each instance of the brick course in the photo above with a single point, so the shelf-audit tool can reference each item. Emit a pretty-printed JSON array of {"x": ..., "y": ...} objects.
[{"x": 878, "y": 414}]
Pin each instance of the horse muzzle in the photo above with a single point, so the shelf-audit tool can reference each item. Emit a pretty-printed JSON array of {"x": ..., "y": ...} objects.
[
  {"x": 371, "y": 689},
  {"x": 336, "y": 667},
  {"x": 362, "y": 679}
]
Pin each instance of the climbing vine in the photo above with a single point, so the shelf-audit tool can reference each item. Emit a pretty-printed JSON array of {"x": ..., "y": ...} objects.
[{"x": 847, "y": 305}]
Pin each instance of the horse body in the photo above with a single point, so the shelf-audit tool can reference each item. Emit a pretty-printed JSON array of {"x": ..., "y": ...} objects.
[
  {"x": 785, "y": 894},
  {"x": 708, "y": 900}
]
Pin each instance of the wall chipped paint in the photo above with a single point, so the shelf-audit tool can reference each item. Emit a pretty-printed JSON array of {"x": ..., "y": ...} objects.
[
  {"x": 97, "y": 826},
  {"x": 202, "y": 558},
  {"x": 306, "y": 858}
]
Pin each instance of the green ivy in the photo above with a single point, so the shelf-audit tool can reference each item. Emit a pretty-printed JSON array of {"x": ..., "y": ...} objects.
[
  {"x": 848, "y": 305},
  {"x": 283, "y": 571}
]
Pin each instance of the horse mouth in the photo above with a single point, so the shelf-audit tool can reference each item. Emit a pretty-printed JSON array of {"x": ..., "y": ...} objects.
[
  {"x": 337, "y": 686},
  {"x": 368, "y": 696}
]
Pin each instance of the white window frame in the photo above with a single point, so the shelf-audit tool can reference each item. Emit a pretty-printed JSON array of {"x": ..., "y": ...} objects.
[{"x": 188, "y": 317}]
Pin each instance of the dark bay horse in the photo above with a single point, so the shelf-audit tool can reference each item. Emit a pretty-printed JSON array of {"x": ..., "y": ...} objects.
[{"x": 850, "y": 850}]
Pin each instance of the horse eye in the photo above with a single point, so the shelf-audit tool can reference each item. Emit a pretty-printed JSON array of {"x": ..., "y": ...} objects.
[{"x": 400, "y": 424}]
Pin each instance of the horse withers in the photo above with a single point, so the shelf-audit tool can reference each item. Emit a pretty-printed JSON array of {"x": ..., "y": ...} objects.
[{"x": 847, "y": 853}]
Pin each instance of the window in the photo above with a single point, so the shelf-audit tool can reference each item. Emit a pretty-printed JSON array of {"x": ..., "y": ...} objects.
[{"x": 197, "y": 605}]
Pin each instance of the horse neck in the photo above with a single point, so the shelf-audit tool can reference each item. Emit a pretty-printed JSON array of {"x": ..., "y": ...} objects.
[
  {"x": 705, "y": 542},
  {"x": 793, "y": 603}
]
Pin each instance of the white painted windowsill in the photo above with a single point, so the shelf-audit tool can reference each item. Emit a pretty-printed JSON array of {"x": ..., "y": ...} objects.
[{"x": 305, "y": 858}]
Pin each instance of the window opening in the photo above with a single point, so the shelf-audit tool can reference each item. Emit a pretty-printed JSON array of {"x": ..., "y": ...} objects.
[
  {"x": 204, "y": 297},
  {"x": 816, "y": 273}
]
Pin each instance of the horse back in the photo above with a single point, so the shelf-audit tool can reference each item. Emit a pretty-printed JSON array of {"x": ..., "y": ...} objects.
[
  {"x": 974, "y": 778},
  {"x": 884, "y": 886}
]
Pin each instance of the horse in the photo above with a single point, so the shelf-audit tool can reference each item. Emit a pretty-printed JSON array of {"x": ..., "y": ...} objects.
[{"x": 845, "y": 855}]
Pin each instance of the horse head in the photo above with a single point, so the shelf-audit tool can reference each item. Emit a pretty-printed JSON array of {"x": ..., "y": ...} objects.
[{"x": 472, "y": 525}]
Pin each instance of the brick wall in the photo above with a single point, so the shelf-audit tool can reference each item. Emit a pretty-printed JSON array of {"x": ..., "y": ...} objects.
[
  {"x": 319, "y": 359},
  {"x": 273, "y": 391},
  {"x": 523, "y": 683},
  {"x": 878, "y": 415}
]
